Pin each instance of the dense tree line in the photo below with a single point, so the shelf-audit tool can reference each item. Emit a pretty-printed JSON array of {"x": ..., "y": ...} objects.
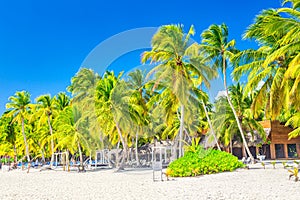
[{"x": 170, "y": 101}]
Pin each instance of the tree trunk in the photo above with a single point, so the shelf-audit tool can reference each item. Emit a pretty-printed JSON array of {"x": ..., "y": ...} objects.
[
  {"x": 26, "y": 145},
  {"x": 67, "y": 161},
  {"x": 121, "y": 167},
  {"x": 136, "y": 149},
  {"x": 174, "y": 148},
  {"x": 181, "y": 130},
  {"x": 43, "y": 153},
  {"x": 81, "y": 167},
  {"x": 230, "y": 145},
  {"x": 15, "y": 154},
  {"x": 52, "y": 142},
  {"x": 234, "y": 112},
  {"x": 101, "y": 139},
  {"x": 210, "y": 125},
  {"x": 117, "y": 154}
]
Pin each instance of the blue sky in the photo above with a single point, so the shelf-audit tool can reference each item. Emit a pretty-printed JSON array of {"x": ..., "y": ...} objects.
[{"x": 44, "y": 43}]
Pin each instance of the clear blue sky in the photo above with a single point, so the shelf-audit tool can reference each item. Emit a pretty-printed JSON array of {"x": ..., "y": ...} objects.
[{"x": 43, "y": 43}]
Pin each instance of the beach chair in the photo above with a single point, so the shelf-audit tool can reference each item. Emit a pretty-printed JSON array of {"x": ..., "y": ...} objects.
[{"x": 246, "y": 160}]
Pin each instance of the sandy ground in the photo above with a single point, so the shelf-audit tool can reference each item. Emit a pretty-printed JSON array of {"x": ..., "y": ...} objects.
[{"x": 255, "y": 183}]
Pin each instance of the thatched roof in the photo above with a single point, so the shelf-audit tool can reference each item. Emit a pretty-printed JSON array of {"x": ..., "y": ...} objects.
[{"x": 253, "y": 140}]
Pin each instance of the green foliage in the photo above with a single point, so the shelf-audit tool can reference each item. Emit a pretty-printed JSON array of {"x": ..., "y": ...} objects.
[
  {"x": 203, "y": 162},
  {"x": 294, "y": 173},
  {"x": 273, "y": 163},
  {"x": 263, "y": 164},
  {"x": 284, "y": 164},
  {"x": 194, "y": 147}
]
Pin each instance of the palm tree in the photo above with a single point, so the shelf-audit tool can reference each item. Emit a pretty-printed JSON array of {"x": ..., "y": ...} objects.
[
  {"x": 203, "y": 98},
  {"x": 138, "y": 107},
  {"x": 219, "y": 50},
  {"x": 294, "y": 121},
  {"x": 224, "y": 119},
  {"x": 112, "y": 102},
  {"x": 62, "y": 101},
  {"x": 46, "y": 109},
  {"x": 172, "y": 50},
  {"x": 8, "y": 133},
  {"x": 265, "y": 66},
  {"x": 275, "y": 63},
  {"x": 83, "y": 86},
  {"x": 18, "y": 107},
  {"x": 72, "y": 131}
]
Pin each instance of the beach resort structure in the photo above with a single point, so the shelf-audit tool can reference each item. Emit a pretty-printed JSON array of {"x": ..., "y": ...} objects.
[{"x": 277, "y": 146}]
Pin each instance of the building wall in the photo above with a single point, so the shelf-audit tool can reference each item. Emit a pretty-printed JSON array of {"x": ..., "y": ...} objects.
[{"x": 279, "y": 135}]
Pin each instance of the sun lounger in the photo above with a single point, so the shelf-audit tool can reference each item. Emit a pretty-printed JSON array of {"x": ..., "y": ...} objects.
[{"x": 246, "y": 160}]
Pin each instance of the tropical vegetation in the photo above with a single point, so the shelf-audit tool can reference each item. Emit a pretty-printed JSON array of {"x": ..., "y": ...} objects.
[
  {"x": 201, "y": 162},
  {"x": 170, "y": 102}
]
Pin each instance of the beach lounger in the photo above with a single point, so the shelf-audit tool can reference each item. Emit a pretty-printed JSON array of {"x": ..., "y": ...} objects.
[{"x": 246, "y": 160}]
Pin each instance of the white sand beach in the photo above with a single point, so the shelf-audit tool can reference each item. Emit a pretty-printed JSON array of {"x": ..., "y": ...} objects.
[{"x": 255, "y": 183}]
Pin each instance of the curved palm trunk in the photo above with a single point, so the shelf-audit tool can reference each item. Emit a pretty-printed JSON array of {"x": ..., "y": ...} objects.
[
  {"x": 121, "y": 167},
  {"x": 52, "y": 142},
  {"x": 26, "y": 145},
  {"x": 234, "y": 112},
  {"x": 210, "y": 125},
  {"x": 181, "y": 130}
]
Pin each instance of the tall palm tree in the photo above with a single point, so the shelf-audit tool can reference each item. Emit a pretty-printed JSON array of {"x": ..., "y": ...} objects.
[
  {"x": 219, "y": 49},
  {"x": 275, "y": 63},
  {"x": 267, "y": 65},
  {"x": 83, "y": 86},
  {"x": 203, "y": 98},
  {"x": 19, "y": 107},
  {"x": 62, "y": 101},
  {"x": 138, "y": 107},
  {"x": 9, "y": 133},
  {"x": 112, "y": 108},
  {"x": 46, "y": 109},
  {"x": 224, "y": 119},
  {"x": 72, "y": 131},
  {"x": 172, "y": 51}
]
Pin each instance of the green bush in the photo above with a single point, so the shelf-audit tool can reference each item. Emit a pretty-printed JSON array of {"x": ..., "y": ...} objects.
[{"x": 201, "y": 162}]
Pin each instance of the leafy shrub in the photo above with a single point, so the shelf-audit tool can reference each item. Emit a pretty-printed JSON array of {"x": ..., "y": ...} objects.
[{"x": 200, "y": 162}]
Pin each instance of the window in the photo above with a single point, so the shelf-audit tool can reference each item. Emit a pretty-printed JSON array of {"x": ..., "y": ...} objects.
[
  {"x": 279, "y": 149},
  {"x": 292, "y": 151}
]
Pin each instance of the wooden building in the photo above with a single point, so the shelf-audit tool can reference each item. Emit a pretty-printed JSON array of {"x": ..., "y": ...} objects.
[{"x": 280, "y": 145}]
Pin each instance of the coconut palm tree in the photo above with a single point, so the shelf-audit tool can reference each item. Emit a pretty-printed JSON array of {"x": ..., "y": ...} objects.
[
  {"x": 218, "y": 48},
  {"x": 46, "y": 109},
  {"x": 266, "y": 72},
  {"x": 8, "y": 132},
  {"x": 138, "y": 105},
  {"x": 172, "y": 50},
  {"x": 72, "y": 131},
  {"x": 19, "y": 107},
  {"x": 83, "y": 86},
  {"x": 224, "y": 119},
  {"x": 62, "y": 101},
  {"x": 275, "y": 65},
  {"x": 112, "y": 109},
  {"x": 294, "y": 121}
]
